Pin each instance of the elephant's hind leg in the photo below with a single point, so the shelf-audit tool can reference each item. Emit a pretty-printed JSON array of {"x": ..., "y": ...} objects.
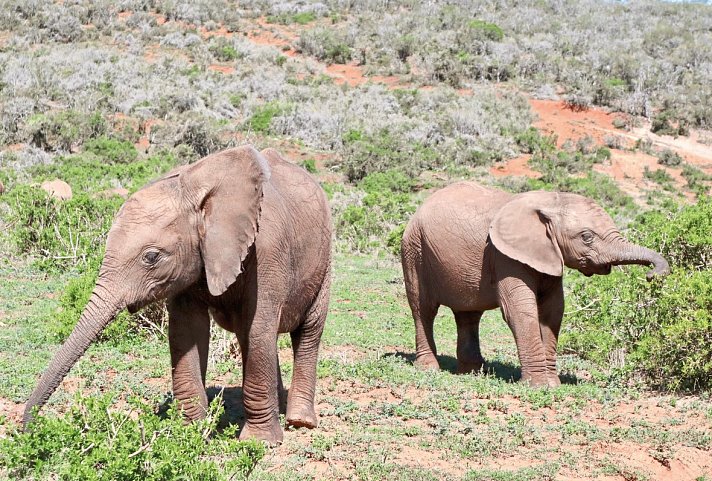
[
  {"x": 469, "y": 357},
  {"x": 188, "y": 336},
  {"x": 421, "y": 307},
  {"x": 305, "y": 344}
]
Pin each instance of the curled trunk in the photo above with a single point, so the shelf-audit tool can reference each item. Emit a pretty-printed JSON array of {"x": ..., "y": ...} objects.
[
  {"x": 99, "y": 311},
  {"x": 628, "y": 253}
]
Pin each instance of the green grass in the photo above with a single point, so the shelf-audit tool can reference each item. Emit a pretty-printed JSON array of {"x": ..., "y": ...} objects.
[{"x": 380, "y": 417}]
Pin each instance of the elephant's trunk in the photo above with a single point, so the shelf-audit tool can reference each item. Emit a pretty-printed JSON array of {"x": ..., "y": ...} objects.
[
  {"x": 99, "y": 311},
  {"x": 628, "y": 253}
]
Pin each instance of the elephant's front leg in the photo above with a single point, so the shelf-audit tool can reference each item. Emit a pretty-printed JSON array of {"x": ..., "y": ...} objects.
[
  {"x": 189, "y": 335},
  {"x": 519, "y": 306},
  {"x": 260, "y": 382},
  {"x": 551, "y": 311}
]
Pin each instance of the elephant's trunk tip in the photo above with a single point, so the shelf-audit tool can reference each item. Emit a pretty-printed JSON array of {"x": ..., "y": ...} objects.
[{"x": 661, "y": 268}]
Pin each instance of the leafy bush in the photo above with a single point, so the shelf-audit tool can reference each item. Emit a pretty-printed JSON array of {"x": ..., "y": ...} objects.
[
  {"x": 662, "y": 329},
  {"x": 60, "y": 131},
  {"x": 325, "y": 44},
  {"x": 696, "y": 179},
  {"x": 112, "y": 150},
  {"x": 663, "y": 124},
  {"x": 152, "y": 319},
  {"x": 488, "y": 30},
  {"x": 95, "y": 441},
  {"x": 366, "y": 154},
  {"x": 376, "y": 216},
  {"x": 59, "y": 233},
  {"x": 309, "y": 165},
  {"x": 89, "y": 172},
  {"x": 669, "y": 158},
  {"x": 659, "y": 176},
  {"x": 263, "y": 115},
  {"x": 300, "y": 18}
]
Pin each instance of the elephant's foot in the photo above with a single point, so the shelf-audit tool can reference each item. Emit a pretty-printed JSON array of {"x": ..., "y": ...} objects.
[
  {"x": 534, "y": 379},
  {"x": 301, "y": 416},
  {"x": 271, "y": 433},
  {"x": 470, "y": 365},
  {"x": 553, "y": 380},
  {"x": 426, "y": 362}
]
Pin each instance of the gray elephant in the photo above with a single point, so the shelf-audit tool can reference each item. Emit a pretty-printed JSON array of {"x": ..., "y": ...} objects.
[
  {"x": 242, "y": 234},
  {"x": 473, "y": 248}
]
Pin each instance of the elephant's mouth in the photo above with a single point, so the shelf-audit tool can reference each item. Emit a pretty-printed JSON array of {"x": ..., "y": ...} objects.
[{"x": 601, "y": 270}]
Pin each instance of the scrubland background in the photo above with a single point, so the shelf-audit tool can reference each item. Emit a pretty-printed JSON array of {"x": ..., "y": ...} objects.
[{"x": 383, "y": 102}]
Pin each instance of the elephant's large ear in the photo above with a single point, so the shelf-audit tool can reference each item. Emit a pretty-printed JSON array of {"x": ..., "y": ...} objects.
[
  {"x": 523, "y": 230},
  {"x": 226, "y": 188}
]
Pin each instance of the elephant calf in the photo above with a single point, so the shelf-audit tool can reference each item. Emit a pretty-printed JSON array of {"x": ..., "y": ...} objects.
[
  {"x": 243, "y": 235},
  {"x": 473, "y": 248}
]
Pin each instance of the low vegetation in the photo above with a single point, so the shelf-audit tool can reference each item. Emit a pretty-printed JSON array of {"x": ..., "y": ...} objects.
[{"x": 107, "y": 96}]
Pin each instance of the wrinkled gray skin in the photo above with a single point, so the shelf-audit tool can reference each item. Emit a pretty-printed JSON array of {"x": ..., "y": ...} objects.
[
  {"x": 472, "y": 249},
  {"x": 243, "y": 235}
]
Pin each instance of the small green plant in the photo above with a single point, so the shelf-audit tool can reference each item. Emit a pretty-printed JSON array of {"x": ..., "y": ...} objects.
[
  {"x": 659, "y": 176},
  {"x": 263, "y": 115},
  {"x": 301, "y": 18},
  {"x": 59, "y": 233},
  {"x": 94, "y": 441},
  {"x": 309, "y": 165},
  {"x": 697, "y": 180},
  {"x": 63, "y": 130},
  {"x": 365, "y": 154},
  {"x": 326, "y": 45},
  {"x": 488, "y": 30},
  {"x": 112, "y": 150},
  {"x": 224, "y": 51},
  {"x": 669, "y": 158},
  {"x": 663, "y": 124}
]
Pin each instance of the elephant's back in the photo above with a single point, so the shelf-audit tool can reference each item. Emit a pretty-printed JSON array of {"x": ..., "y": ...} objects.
[
  {"x": 463, "y": 204},
  {"x": 450, "y": 232},
  {"x": 294, "y": 239},
  {"x": 299, "y": 193}
]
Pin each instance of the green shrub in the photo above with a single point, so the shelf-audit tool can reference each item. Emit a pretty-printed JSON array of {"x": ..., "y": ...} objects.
[
  {"x": 263, "y": 115},
  {"x": 669, "y": 158},
  {"x": 301, "y": 18},
  {"x": 325, "y": 44},
  {"x": 662, "y": 124},
  {"x": 224, "y": 53},
  {"x": 661, "y": 329},
  {"x": 75, "y": 297},
  {"x": 309, "y": 165},
  {"x": 88, "y": 172},
  {"x": 112, "y": 150},
  {"x": 365, "y": 154},
  {"x": 95, "y": 441},
  {"x": 488, "y": 30},
  {"x": 696, "y": 179},
  {"x": 659, "y": 176},
  {"x": 380, "y": 218},
  {"x": 683, "y": 236},
  {"x": 59, "y": 233},
  {"x": 64, "y": 129}
]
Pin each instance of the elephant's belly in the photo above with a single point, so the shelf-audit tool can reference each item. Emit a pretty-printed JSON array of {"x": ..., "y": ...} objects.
[
  {"x": 222, "y": 320},
  {"x": 465, "y": 293}
]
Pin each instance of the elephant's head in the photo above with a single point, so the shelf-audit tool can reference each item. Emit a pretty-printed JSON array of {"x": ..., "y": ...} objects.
[
  {"x": 549, "y": 230},
  {"x": 200, "y": 219}
]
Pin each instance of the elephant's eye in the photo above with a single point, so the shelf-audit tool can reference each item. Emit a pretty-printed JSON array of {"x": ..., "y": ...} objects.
[
  {"x": 151, "y": 257},
  {"x": 587, "y": 237}
]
